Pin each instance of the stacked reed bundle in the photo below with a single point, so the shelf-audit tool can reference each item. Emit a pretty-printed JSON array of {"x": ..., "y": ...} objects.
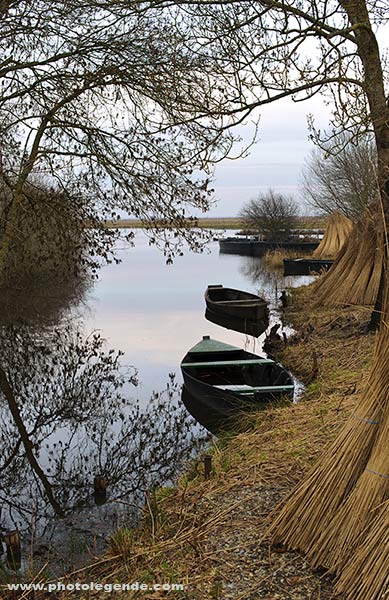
[
  {"x": 333, "y": 511},
  {"x": 336, "y": 234},
  {"x": 369, "y": 563},
  {"x": 353, "y": 519},
  {"x": 354, "y": 278},
  {"x": 310, "y": 508}
]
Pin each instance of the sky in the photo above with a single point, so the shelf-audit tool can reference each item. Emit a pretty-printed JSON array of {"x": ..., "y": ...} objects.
[{"x": 276, "y": 159}]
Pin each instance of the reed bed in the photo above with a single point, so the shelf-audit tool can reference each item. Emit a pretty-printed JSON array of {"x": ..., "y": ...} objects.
[
  {"x": 336, "y": 234},
  {"x": 355, "y": 276}
]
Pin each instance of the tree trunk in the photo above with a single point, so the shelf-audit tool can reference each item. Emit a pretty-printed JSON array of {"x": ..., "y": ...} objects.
[{"x": 369, "y": 54}]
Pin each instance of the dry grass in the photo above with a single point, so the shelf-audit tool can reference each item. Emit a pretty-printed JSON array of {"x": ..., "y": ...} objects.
[
  {"x": 210, "y": 534},
  {"x": 274, "y": 259}
]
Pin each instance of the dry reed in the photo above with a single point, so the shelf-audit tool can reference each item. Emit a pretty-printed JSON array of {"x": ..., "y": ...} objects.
[
  {"x": 373, "y": 579},
  {"x": 354, "y": 278},
  {"x": 336, "y": 234},
  {"x": 208, "y": 532},
  {"x": 309, "y": 509},
  {"x": 274, "y": 259},
  {"x": 342, "y": 537},
  {"x": 332, "y": 509},
  {"x": 305, "y": 519}
]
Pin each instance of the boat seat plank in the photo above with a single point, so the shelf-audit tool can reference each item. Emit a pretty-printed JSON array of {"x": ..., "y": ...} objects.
[
  {"x": 250, "y": 390},
  {"x": 249, "y": 301},
  {"x": 227, "y": 363}
]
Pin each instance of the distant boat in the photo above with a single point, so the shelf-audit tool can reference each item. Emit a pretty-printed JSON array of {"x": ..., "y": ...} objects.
[
  {"x": 246, "y": 246},
  {"x": 221, "y": 381},
  {"x": 305, "y": 266},
  {"x": 236, "y": 309}
]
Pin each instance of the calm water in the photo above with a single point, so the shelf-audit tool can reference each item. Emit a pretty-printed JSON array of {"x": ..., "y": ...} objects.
[
  {"x": 79, "y": 406},
  {"x": 155, "y": 312}
]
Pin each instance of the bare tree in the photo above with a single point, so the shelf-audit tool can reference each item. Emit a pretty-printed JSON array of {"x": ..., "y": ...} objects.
[
  {"x": 114, "y": 103},
  {"x": 275, "y": 49},
  {"x": 59, "y": 381},
  {"x": 344, "y": 181},
  {"x": 128, "y": 101},
  {"x": 272, "y": 214}
]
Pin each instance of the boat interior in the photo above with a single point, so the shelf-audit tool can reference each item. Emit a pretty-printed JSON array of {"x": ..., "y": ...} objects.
[
  {"x": 222, "y": 294},
  {"x": 238, "y": 374}
]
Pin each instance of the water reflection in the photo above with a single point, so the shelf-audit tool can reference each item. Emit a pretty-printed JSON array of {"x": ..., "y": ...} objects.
[
  {"x": 42, "y": 304},
  {"x": 68, "y": 417},
  {"x": 271, "y": 280},
  {"x": 156, "y": 312}
]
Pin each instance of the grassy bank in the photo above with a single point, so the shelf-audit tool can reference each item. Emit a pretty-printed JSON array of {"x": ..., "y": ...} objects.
[
  {"x": 210, "y": 534},
  {"x": 218, "y": 223}
]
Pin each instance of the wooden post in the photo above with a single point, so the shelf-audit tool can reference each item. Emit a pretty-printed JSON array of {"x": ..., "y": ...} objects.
[
  {"x": 12, "y": 542},
  {"x": 207, "y": 466}
]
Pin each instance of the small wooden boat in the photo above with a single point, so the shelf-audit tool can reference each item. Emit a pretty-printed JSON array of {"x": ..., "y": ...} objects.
[
  {"x": 235, "y": 309},
  {"x": 305, "y": 266},
  {"x": 221, "y": 381}
]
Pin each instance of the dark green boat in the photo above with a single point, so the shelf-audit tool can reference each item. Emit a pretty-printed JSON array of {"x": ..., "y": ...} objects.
[
  {"x": 236, "y": 309},
  {"x": 305, "y": 266},
  {"x": 220, "y": 381}
]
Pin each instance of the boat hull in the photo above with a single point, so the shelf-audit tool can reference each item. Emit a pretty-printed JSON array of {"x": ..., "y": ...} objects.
[
  {"x": 305, "y": 266},
  {"x": 237, "y": 310},
  {"x": 248, "y": 247},
  {"x": 209, "y": 414},
  {"x": 243, "y": 325},
  {"x": 217, "y": 411},
  {"x": 217, "y": 392}
]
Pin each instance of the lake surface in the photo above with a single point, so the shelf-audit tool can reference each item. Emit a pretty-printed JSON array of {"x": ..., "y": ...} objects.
[
  {"x": 79, "y": 407},
  {"x": 155, "y": 312}
]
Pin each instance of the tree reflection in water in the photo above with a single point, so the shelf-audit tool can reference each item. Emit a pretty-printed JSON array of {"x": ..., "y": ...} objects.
[
  {"x": 272, "y": 280},
  {"x": 67, "y": 416}
]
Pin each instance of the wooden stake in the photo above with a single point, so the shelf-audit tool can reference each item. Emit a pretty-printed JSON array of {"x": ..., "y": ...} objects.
[
  {"x": 12, "y": 542},
  {"x": 207, "y": 466},
  {"x": 100, "y": 485}
]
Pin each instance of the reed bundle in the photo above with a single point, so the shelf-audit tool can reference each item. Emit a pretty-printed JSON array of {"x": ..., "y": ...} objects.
[
  {"x": 350, "y": 522},
  {"x": 369, "y": 562},
  {"x": 354, "y": 278},
  {"x": 332, "y": 512},
  {"x": 353, "y": 520},
  {"x": 336, "y": 234},
  {"x": 309, "y": 510}
]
